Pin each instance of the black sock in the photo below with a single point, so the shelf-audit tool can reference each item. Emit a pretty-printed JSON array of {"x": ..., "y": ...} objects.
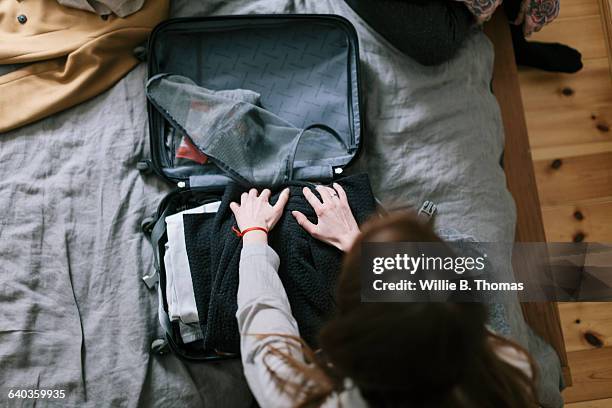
[{"x": 552, "y": 57}]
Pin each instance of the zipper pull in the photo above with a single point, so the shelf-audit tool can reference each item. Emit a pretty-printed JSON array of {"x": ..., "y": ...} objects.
[
  {"x": 140, "y": 53},
  {"x": 427, "y": 211}
]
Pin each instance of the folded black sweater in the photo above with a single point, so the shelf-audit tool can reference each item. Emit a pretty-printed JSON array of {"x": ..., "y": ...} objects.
[{"x": 308, "y": 267}]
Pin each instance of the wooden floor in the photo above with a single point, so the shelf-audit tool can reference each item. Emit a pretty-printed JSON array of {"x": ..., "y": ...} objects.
[{"x": 569, "y": 119}]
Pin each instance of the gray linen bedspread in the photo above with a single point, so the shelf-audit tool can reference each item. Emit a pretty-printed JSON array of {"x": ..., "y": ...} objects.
[{"x": 74, "y": 313}]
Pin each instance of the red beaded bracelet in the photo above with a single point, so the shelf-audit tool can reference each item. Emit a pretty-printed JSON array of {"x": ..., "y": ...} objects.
[{"x": 242, "y": 233}]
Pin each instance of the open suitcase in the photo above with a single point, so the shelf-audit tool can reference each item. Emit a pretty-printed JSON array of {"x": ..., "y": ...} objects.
[{"x": 305, "y": 69}]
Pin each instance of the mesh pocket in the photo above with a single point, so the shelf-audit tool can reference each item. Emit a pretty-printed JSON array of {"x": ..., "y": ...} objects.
[{"x": 253, "y": 145}]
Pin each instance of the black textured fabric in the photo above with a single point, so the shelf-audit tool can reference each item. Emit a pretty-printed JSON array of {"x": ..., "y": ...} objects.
[
  {"x": 430, "y": 31},
  {"x": 308, "y": 267}
]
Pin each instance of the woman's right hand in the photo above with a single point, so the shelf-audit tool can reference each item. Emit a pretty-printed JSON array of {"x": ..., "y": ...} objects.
[{"x": 336, "y": 225}]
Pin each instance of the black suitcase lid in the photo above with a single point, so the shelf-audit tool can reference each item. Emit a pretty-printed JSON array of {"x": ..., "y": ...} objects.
[{"x": 305, "y": 69}]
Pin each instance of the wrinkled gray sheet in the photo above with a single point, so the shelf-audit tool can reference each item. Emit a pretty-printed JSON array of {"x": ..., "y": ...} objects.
[{"x": 74, "y": 314}]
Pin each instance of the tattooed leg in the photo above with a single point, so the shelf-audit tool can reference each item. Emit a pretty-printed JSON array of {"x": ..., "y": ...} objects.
[{"x": 482, "y": 9}]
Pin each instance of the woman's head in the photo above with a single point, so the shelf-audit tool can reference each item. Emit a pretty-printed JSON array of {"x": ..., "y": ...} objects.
[
  {"x": 401, "y": 354},
  {"x": 413, "y": 354}
]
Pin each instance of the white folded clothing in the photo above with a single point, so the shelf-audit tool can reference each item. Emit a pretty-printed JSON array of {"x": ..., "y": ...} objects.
[{"x": 179, "y": 286}]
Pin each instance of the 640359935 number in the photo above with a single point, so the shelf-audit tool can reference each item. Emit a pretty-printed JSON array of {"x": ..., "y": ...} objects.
[{"x": 36, "y": 394}]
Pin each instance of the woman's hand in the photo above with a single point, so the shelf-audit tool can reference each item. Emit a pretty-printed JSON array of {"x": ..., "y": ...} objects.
[
  {"x": 256, "y": 211},
  {"x": 336, "y": 225}
]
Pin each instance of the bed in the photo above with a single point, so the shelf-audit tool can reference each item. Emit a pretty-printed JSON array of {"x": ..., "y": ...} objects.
[
  {"x": 543, "y": 317},
  {"x": 74, "y": 312}
]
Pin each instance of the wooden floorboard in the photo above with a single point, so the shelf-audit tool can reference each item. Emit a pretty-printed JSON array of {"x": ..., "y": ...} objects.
[
  {"x": 583, "y": 33},
  {"x": 592, "y": 219},
  {"x": 591, "y": 375},
  {"x": 572, "y": 125},
  {"x": 571, "y": 150},
  {"x": 569, "y": 120},
  {"x": 602, "y": 403},
  {"x": 586, "y": 326},
  {"x": 578, "y": 8},
  {"x": 567, "y": 180},
  {"x": 545, "y": 92}
]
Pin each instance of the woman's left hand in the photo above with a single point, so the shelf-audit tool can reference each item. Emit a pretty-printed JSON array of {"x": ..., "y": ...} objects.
[
  {"x": 336, "y": 224},
  {"x": 256, "y": 211}
]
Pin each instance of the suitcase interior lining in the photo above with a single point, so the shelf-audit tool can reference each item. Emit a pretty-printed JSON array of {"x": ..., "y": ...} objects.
[{"x": 304, "y": 70}]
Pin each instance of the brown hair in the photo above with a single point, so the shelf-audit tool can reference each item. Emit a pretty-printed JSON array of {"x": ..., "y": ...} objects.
[{"x": 406, "y": 354}]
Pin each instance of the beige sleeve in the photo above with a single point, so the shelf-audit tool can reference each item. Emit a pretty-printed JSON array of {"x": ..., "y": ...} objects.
[
  {"x": 263, "y": 309},
  {"x": 44, "y": 88},
  {"x": 80, "y": 58}
]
